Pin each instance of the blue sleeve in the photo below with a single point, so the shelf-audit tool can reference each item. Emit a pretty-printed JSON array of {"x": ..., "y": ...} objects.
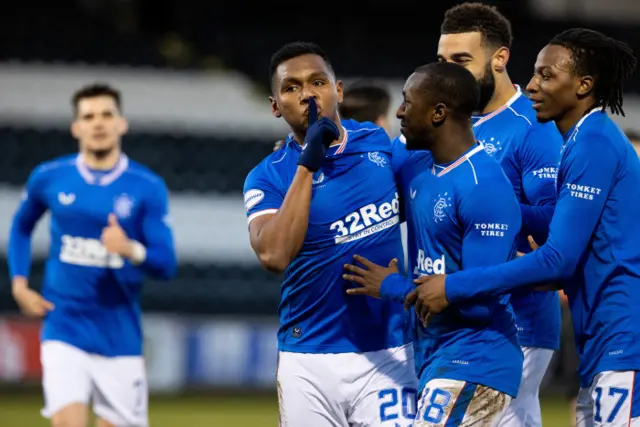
[
  {"x": 160, "y": 261},
  {"x": 540, "y": 156},
  {"x": 489, "y": 235},
  {"x": 585, "y": 178},
  {"x": 262, "y": 193},
  {"x": 396, "y": 287},
  {"x": 406, "y": 166},
  {"x": 399, "y": 154},
  {"x": 31, "y": 209}
]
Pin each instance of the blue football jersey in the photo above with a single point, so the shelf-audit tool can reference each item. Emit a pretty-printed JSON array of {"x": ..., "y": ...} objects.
[
  {"x": 407, "y": 164},
  {"x": 592, "y": 247},
  {"x": 529, "y": 153},
  {"x": 465, "y": 214},
  {"x": 354, "y": 209},
  {"x": 96, "y": 294}
]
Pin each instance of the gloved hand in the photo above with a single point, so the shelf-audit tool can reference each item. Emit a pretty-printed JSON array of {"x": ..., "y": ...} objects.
[{"x": 320, "y": 134}]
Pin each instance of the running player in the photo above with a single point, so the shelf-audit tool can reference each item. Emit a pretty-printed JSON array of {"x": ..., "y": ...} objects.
[{"x": 109, "y": 227}]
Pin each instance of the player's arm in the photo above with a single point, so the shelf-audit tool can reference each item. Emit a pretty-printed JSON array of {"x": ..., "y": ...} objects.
[
  {"x": 489, "y": 234},
  {"x": 29, "y": 212},
  {"x": 278, "y": 226},
  {"x": 156, "y": 254},
  {"x": 587, "y": 174},
  {"x": 540, "y": 155},
  {"x": 396, "y": 287}
]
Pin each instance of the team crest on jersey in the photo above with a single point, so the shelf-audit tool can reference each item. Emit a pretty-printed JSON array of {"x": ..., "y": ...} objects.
[
  {"x": 442, "y": 202},
  {"x": 123, "y": 206},
  {"x": 376, "y": 158},
  {"x": 492, "y": 146}
]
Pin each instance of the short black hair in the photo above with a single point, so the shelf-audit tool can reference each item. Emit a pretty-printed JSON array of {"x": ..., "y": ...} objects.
[
  {"x": 365, "y": 101},
  {"x": 293, "y": 50},
  {"x": 609, "y": 61},
  {"x": 478, "y": 18},
  {"x": 451, "y": 84},
  {"x": 94, "y": 90}
]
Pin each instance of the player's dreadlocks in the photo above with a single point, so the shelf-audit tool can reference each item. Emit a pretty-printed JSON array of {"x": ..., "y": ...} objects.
[{"x": 607, "y": 60}]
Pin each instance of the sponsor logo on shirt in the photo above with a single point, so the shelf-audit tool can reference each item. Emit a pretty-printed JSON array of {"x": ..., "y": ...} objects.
[
  {"x": 367, "y": 220},
  {"x": 88, "y": 252}
]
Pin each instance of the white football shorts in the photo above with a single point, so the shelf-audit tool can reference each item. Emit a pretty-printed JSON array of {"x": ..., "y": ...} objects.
[
  {"x": 524, "y": 410},
  {"x": 373, "y": 389},
  {"x": 116, "y": 385},
  {"x": 613, "y": 400},
  {"x": 454, "y": 403}
]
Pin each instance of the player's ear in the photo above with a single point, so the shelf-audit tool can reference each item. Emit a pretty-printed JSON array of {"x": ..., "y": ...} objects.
[
  {"x": 75, "y": 129},
  {"x": 124, "y": 126},
  {"x": 340, "y": 91},
  {"x": 585, "y": 86},
  {"x": 439, "y": 114},
  {"x": 499, "y": 59},
  {"x": 275, "y": 109}
]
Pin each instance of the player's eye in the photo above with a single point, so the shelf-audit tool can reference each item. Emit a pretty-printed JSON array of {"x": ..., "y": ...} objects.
[
  {"x": 318, "y": 82},
  {"x": 290, "y": 88}
]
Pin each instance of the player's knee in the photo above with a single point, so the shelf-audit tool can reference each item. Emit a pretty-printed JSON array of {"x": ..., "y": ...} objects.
[{"x": 74, "y": 415}]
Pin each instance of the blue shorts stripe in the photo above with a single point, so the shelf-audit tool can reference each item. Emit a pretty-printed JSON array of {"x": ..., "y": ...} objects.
[
  {"x": 461, "y": 404},
  {"x": 635, "y": 396}
]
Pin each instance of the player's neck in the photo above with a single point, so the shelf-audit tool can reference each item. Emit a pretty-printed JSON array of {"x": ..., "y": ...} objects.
[
  {"x": 572, "y": 117},
  {"x": 106, "y": 162},
  {"x": 503, "y": 92},
  {"x": 454, "y": 145}
]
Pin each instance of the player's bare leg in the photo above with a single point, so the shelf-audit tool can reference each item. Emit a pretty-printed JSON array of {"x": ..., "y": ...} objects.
[
  {"x": 73, "y": 415},
  {"x": 100, "y": 422}
]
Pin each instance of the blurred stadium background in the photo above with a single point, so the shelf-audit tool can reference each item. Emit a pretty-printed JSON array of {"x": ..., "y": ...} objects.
[{"x": 194, "y": 79}]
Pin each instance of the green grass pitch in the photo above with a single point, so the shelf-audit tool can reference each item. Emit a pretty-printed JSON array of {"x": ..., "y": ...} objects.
[{"x": 210, "y": 411}]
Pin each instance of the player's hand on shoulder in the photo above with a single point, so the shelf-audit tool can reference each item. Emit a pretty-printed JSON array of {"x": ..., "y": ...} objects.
[
  {"x": 429, "y": 297},
  {"x": 369, "y": 277},
  {"x": 320, "y": 134},
  {"x": 30, "y": 302},
  {"x": 278, "y": 145},
  {"x": 114, "y": 238}
]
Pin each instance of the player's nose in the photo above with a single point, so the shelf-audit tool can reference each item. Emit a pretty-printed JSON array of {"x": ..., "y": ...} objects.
[
  {"x": 532, "y": 86},
  {"x": 308, "y": 92}
]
